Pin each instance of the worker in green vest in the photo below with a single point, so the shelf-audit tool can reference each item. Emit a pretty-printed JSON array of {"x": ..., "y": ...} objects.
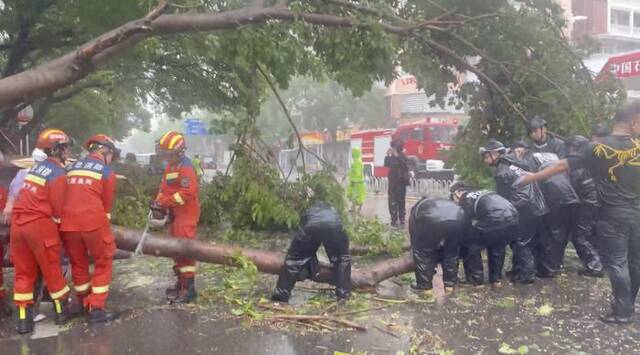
[{"x": 356, "y": 189}]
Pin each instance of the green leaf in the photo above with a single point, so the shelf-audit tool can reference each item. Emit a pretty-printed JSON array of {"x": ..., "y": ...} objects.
[
  {"x": 506, "y": 349},
  {"x": 544, "y": 310}
]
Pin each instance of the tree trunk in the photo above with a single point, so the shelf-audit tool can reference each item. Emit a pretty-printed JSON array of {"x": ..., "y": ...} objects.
[
  {"x": 266, "y": 261},
  {"x": 269, "y": 262}
]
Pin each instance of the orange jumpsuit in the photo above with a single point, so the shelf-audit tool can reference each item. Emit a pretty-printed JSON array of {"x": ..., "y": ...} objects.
[
  {"x": 179, "y": 194},
  {"x": 86, "y": 228},
  {"x": 3, "y": 202},
  {"x": 35, "y": 241}
]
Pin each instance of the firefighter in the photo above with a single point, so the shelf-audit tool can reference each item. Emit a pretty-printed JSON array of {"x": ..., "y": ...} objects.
[
  {"x": 559, "y": 194},
  {"x": 398, "y": 166},
  {"x": 321, "y": 225},
  {"x": 178, "y": 200},
  {"x": 582, "y": 234},
  {"x": 436, "y": 228},
  {"x": 494, "y": 223},
  {"x": 5, "y": 309},
  {"x": 614, "y": 163},
  {"x": 35, "y": 240},
  {"x": 85, "y": 227},
  {"x": 528, "y": 201}
]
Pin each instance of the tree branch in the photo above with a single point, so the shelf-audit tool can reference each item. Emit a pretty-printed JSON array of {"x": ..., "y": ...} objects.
[
  {"x": 286, "y": 113},
  {"x": 482, "y": 76},
  {"x": 43, "y": 80}
]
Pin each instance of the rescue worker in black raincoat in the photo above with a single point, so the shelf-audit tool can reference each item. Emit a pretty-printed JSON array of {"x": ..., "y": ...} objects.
[
  {"x": 599, "y": 131},
  {"x": 320, "y": 225},
  {"x": 528, "y": 201},
  {"x": 436, "y": 227},
  {"x": 494, "y": 223},
  {"x": 583, "y": 233},
  {"x": 559, "y": 194},
  {"x": 614, "y": 163},
  {"x": 398, "y": 166}
]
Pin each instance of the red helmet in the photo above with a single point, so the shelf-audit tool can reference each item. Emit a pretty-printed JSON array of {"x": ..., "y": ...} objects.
[
  {"x": 102, "y": 140},
  {"x": 52, "y": 138},
  {"x": 172, "y": 141}
]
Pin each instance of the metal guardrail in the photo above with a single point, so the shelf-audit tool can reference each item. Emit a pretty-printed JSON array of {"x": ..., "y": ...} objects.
[{"x": 416, "y": 188}]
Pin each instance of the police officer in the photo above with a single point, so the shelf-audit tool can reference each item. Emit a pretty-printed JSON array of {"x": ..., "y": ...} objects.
[
  {"x": 320, "y": 225},
  {"x": 528, "y": 201},
  {"x": 436, "y": 227},
  {"x": 559, "y": 194},
  {"x": 398, "y": 166},
  {"x": 614, "y": 163},
  {"x": 494, "y": 223},
  {"x": 582, "y": 234}
]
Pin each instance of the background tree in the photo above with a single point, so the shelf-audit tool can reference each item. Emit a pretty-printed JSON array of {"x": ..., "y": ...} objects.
[{"x": 516, "y": 49}]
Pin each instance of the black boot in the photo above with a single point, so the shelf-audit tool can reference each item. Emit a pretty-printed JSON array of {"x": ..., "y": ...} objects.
[
  {"x": 614, "y": 319},
  {"x": 61, "y": 310},
  {"x": 5, "y": 309},
  {"x": 25, "y": 319},
  {"x": 98, "y": 315},
  {"x": 187, "y": 292},
  {"x": 172, "y": 292}
]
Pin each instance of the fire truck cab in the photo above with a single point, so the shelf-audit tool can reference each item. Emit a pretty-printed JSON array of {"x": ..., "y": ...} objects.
[{"x": 427, "y": 143}]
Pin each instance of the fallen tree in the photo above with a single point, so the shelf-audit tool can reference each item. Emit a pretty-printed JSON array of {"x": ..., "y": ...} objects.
[{"x": 266, "y": 261}]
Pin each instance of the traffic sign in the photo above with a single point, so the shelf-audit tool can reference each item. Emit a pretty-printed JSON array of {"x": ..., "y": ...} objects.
[{"x": 195, "y": 127}]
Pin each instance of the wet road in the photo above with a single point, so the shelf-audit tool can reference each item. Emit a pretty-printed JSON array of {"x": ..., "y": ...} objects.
[{"x": 553, "y": 317}]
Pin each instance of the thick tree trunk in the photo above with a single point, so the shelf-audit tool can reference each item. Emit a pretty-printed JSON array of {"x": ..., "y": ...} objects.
[
  {"x": 269, "y": 262},
  {"x": 266, "y": 261}
]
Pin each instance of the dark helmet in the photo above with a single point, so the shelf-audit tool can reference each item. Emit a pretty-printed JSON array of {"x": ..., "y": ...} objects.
[
  {"x": 397, "y": 144},
  {"x": 460, "y": 186},
  {"x": 600, "y": 129},
  {"x": 576, "y": 142},
  {"x": 535, "y": 123},
  {"x": 520, "y": 144},
  {"x": 492, "y": 145}
]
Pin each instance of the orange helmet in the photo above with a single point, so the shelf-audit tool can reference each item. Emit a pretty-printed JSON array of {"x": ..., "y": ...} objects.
[
  {"x": 52, "y": 138},
  {"x": 172, "y": 141},
  {"x": 101, "y": 140}
]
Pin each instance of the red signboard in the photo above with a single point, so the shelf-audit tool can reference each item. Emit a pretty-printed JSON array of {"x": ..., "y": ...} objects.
[{"x": 623, "y": 66}]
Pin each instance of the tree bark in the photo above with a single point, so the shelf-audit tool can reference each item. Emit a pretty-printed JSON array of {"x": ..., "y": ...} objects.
[{"x": 266, "y": 261}]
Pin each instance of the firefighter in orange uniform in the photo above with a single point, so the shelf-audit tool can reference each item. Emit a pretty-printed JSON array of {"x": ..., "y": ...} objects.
[
  {"x": 5, "y": 310},
  {"x": 35, "y": 240},
  {"x": 86, "y": 229},
  {"x": 178, "y": 197}
]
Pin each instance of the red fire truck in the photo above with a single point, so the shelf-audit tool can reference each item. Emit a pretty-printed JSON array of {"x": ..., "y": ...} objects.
[{"x": 427, "y": 144}]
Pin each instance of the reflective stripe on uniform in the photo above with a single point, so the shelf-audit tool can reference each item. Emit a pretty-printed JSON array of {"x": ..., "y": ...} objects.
[
  {"x": 186, "y": 269},
  {"x": 22, "y": 313},
  {"x": 82, "y": 288},
  {"x": 178, "y": 198},
  {"x": 109, "y": 216},
  {"x": 36, "y": 179},
  {"x": 100, "y": 289},
  {"x": 56, "y": 220},
  {"x": 85, "y": 173},
  {"x": 23, "y": 296},
  {"x": 171, "y": 176},
  {"x": 60, "y": 293}
]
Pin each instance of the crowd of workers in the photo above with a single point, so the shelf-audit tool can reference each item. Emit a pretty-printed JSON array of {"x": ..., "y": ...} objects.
[
  {"x": 548, "y": 192},
  {"x": 60, "y": 207}
]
